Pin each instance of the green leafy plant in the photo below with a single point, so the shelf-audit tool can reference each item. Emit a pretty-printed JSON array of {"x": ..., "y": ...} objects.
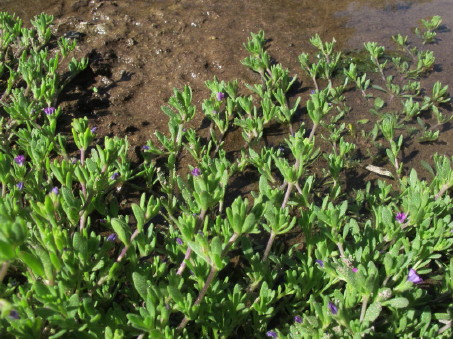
[{"x": 189, "y": 255}]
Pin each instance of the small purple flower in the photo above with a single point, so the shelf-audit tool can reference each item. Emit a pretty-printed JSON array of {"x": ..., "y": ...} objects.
[
  {"x": 271, "y": 334},
  {"x": 354, "y": 269},
  {"x": 298, "y": 319},
  {"x": 49, "y": 110},
  {"x": 93, "y": 129},
  {"x": 14, "y": 314},
  {"x": 312, "y": 91},
  {"x": 179, "y": 241},
  {"x": 414, "y": 277},
  {"x": 20, "y": 160},
  {"x": 115, "y": 176},
  {"x": 55, "y": 190},
  {"x": 20, "y": 185},
  {"x": 214, "y": 112},
  {"x": 220, "y": 96},
  {"x": 146, "y": 148},
  {"x": 401, "y": 217},
  {"x": 196, "y": 172},
  {"x": 333, "y": 308},
  {"x": 112, "y": 237},
  {"x": 320, "y": 262}
]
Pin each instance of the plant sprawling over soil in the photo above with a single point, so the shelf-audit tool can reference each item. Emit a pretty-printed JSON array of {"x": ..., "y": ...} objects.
[{"x": 315, "y": 249}]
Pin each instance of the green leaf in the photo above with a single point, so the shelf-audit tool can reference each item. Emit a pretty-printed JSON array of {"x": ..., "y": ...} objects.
[
  {"x": 373, "y": 312},
  {"x": 7, "y": 251},
  {"x": 42, "y": 291},
  {"x": 59, "y": 334},
  {"x": 216, "y": 252},
  {"x": 378, "y": 103},
  {"x": 199, "y": 250},
  {"x": 176, "y": 295},
  {"x": 137, "y": 322},
  {"x": 33, "y": 263},
  {"x": 120, "y": 226},
  {"x": 139, "y": 216},
  {"x": 397, "y": 302},
  {"x": 80, "y": 245},
  {"x": 141, "y": 285},
  {"x": 74, "y": 302}
]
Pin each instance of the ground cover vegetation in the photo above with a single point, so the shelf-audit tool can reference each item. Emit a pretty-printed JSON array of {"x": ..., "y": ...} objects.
[{"x": 193, "y": 258}]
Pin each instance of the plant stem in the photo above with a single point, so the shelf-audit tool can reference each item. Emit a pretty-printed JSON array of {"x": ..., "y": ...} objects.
[
  {"x": 273, "y": 235},
  {"x": 364, "y": 306},
  {"x": 84, "y": 189},
  {"x": 287, "y": 194},
  {"x": 442, "y": 190},
  {"x": 182, "y": 267},
  {"x": 202, "y": 293},
  {"x": 316, "y": 83},
  {"x": 268, "y": 246},
  {"x": 219, "y": 144},
  {"x": 340, "y": 248},
  {"x": 291, "y": 131},
  {"x": 124, "y": 251},
  {"x": 209, "y": 280},
  {"x": 3, "y": 270},
  {"x": 82, "y": 156},
  {"x": 83, "y": 219},
  {"x": 313, "y": 130}
]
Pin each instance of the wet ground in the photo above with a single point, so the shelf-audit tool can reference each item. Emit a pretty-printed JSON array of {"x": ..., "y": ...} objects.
[{"x": 140, "y": 50}]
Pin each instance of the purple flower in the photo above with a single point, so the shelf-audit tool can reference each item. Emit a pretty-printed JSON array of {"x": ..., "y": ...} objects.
[
  {"x": 220, "y": 96},
  {"x": 112, "y": 237},
  {"x": 146, "y": 148},
  {"x": 354, "y": 269},
  {"x": 298, "y": 319},
  {"x": 333, "y": 308},
  {"x": 312, "y": 91},
  {"x": 14, "y": 314},
  {"x": 20, "y": 160},
  {"x": 401, "y": 217},
  {"x": 93, "y": 129},
  {"x": 55, "y": 190},
  {"x": 196, "y": 172},
  {"x": 20, "y": 185},
  {"x": 214, "y": 112},
  {"x": 320, "y": 262},
  {"x": 414, "y": 277},
  {"x": 271, "y": 334},
  {"x": 179, "y": 241},
  {"x": 49, "y": 110},
  {"x": 115, "y": 176}
]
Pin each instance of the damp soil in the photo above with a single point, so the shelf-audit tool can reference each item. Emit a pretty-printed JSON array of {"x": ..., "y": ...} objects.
[{"x": 140, "y": 50}]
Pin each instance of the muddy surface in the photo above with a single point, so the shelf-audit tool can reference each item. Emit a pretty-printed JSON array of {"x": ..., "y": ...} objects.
[{"x": 140, "y": 50}]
